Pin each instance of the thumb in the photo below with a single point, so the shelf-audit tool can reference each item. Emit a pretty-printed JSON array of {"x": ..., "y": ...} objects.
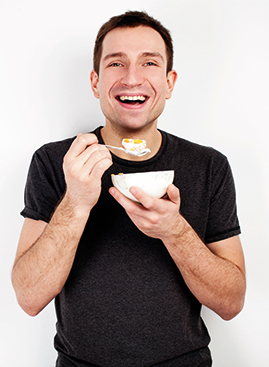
[{"x": 173, "y": 194}]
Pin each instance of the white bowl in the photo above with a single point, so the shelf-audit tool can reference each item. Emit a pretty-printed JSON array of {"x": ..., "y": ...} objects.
[{"x": 154, "y": 184}]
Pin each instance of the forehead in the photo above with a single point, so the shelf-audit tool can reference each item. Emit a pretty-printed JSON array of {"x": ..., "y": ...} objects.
[{"x": 133, "y": 41}]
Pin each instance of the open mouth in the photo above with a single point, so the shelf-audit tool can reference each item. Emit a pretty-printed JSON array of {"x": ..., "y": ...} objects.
[{"x": 132, "y": 100}]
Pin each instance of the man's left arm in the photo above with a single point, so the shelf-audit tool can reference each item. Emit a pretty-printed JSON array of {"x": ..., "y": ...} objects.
[{"x": 215, "y": 273}]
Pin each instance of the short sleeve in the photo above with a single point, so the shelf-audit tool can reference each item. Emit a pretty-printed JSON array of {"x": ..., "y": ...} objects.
[
  {"x": 45, "y": 183},
  {"x": 222, "y": 219}
]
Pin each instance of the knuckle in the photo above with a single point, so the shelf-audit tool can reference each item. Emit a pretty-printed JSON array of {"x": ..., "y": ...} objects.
[
  {"x": 150, "y": 205},
  {"x": 101, "y": 166},
  {"x": 99, "y": 154},
  {"x": 131, "y": 210},
  {"x": 147, "y": 226},
  {"x": 81, "y": 138},
  {"x": 154, "y": 219},
  {"x": 71, "y": 169},
  {"x": 87, "y": 139}
]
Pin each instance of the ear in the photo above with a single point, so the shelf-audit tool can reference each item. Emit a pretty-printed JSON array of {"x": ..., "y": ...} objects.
[
  {"x": 171, "y": 80},
  {"x": 94, "y": 83}
]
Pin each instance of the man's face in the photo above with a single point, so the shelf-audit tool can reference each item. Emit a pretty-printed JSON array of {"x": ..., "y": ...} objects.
[{"x": 133, "y": 85}]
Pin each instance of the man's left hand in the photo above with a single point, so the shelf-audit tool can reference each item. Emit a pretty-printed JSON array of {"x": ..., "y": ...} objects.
[{"x": 157, "y": 218}]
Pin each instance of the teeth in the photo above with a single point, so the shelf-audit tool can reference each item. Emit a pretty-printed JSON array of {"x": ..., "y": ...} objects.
[{"x": 132, "y": 98}]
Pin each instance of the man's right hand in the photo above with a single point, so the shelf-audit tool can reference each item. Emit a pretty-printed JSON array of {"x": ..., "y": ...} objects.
[
  {"x": 84, "y": 165},
  {"x": 46, "y": 252}
]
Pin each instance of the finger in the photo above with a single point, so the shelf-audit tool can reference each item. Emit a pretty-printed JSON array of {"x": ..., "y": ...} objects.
[
  {"x": 94, "y": 152},
  {"x": 173, "y": 194},
  {"x": 146, "y": 200},
  {"x": 100, "y": 167},
  {"x": 125, "y": 202},
  {"x": 86, "y": 160},
  {"x": 93, "y": 155},
  {"x": 90, "y": 165},
  {"x": 143, "y": 218},
  {"x": 79, "y": 145}
]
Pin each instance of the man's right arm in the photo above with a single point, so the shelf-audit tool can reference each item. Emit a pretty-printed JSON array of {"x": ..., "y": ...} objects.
[{"x": 46, "y": 252}]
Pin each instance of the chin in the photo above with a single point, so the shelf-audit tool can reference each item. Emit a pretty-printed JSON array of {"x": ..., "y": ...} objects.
[{"x": 134, "y": 124}]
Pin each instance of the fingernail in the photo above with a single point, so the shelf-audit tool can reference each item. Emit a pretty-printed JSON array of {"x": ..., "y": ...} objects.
[
  {"x": 112, "y": 191},
  {"x": 133, "y": 190}
]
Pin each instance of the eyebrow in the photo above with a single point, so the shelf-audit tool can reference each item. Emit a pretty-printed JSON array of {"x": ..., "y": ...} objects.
[
  {"x": 153, "y": 54},
  {"x": 113, "y": 55},
  {"x": 124, "y": 55}
]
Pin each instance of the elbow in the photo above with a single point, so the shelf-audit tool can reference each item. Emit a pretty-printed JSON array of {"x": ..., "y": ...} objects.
[
  {"x": 230, "y": 314},
  {"x": 30, "y": 309},
  {"x": 232, "y": 310},
  {"x": 30, "y": 300},
  {"x": 28, "y": 303},
  {"x": 233, "y": 304}
]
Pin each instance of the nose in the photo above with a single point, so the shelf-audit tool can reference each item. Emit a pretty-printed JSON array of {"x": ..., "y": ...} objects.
[{"x": 132, "y": 76}]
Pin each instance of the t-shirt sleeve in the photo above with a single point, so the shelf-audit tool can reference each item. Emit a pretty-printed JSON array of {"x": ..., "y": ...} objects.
[
  {"x": 222, "y": 219},
  {"x": 44, "y": 186}
]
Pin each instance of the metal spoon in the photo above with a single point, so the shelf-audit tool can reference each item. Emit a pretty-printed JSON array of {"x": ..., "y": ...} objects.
[{"x": 135, "y": 153}]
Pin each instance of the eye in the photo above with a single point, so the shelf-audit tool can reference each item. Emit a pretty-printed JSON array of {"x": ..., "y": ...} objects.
[
  {"x": 150, "y": 63},
  {"x": 115, "y": 64}
]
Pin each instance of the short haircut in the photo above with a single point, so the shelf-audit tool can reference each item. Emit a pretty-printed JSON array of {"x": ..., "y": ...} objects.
[{"x": 132, "y": 19}]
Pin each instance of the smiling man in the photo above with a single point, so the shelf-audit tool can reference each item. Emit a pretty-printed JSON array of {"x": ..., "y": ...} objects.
[
  {"x": 128, "y": 278},
  {"x": 133, "y": 84}
]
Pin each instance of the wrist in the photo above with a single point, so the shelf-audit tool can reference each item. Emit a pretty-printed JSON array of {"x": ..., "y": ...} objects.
[
  {"x": 178, "y": 231},
  {"x": 74, "y": 210}
]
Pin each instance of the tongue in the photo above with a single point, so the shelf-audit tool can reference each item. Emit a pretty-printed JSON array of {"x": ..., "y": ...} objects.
[{"x": 132, "y": 102}]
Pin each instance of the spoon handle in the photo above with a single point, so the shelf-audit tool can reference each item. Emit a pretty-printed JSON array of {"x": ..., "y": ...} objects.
[{"x": 119, "y": 148}]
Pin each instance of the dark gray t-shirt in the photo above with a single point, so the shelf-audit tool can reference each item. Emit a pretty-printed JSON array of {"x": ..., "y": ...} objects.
[{"x": 125, "y": 302}]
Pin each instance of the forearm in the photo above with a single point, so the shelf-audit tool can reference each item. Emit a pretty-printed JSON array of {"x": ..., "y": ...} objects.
[
  {"x": 215, "y": 281},
  {"x": 214, "y": 273},
  {"x": 39, "y": 274}
]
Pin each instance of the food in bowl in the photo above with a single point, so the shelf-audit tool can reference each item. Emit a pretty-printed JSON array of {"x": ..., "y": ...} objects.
[{"x": 154, "y": 183}]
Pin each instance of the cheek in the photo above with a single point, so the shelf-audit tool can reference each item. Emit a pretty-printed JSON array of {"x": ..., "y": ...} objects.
[
  {"x": 162, "y": 90},
  {"x": 158, "y": 83},
  {"x": 107, "y": 86}
]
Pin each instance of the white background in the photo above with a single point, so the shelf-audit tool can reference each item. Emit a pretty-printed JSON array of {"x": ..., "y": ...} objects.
[{"x": 221, "y": 99}]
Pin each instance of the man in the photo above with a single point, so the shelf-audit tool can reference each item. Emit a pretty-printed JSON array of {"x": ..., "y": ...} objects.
[{"x": 129, "y": 278}]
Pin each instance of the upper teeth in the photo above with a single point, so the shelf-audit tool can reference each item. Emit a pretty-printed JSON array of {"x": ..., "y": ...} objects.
[{"x": 132, "y": 98}]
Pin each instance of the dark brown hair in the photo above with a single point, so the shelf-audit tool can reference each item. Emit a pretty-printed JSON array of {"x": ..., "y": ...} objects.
[{"x": 132, "y": 19}]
